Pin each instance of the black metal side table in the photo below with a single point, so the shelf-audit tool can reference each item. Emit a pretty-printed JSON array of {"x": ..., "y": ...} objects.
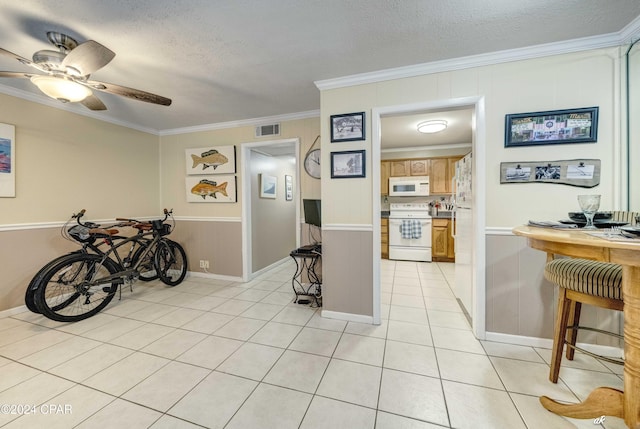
[{"x": 307, "y": 259}]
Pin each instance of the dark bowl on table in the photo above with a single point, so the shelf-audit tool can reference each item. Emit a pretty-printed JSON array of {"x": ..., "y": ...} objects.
[{"x": 579, "y": 216}]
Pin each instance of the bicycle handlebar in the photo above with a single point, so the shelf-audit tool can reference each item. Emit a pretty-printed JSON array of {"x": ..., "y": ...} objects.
[{"x": 126, "y": 221}]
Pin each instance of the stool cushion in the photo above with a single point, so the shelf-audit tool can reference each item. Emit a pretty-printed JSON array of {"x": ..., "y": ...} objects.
[{"x": 591, "y": 277}]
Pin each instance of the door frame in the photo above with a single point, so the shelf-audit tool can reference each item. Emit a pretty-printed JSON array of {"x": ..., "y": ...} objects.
[
  {"x": 245, "y": 197},
  {"x": 478, "y": 148}
]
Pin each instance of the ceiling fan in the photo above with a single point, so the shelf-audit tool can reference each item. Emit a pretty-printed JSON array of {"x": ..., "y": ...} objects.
[{"x": 67, "y": 73}]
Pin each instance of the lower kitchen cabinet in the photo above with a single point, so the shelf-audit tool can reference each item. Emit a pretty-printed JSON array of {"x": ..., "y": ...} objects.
[
  {"x": 442, "y": 249},
  {"x": 384, "y": 238}
]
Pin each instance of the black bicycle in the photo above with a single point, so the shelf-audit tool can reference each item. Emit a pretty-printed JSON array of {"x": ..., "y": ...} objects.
[
  {"x": 80, "y": 234},
  {"x": 79, "y": 285}
]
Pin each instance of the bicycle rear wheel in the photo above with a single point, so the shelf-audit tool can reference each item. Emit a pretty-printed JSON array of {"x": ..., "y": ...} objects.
[
  {"x": 171, "y": 262},
  {"x": 29, "y": 296},
  {"x": 63, "y": 293}
]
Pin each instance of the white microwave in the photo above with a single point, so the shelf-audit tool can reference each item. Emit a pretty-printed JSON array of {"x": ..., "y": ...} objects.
[{"x": 411, "y": 186}]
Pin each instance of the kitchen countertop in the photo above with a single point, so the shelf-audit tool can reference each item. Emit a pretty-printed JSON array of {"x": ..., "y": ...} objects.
[{"x": 442, "y": 215}]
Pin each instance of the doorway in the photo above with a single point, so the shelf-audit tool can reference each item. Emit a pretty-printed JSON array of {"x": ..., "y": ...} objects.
[
  {"x": 270, "y": 222},
  {"x": 478, "y": 151}
]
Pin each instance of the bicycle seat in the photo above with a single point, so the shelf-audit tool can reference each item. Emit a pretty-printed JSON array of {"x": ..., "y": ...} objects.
[
  {"x": 101, "y": 232},
  {"x": 143, "y": 226}
]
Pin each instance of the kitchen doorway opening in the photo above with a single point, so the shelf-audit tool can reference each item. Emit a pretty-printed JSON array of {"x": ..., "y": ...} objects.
[{"x": 479, "y": 180}]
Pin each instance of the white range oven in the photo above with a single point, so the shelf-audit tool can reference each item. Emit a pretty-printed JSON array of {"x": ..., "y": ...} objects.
[{"x": 410, "y": 232}]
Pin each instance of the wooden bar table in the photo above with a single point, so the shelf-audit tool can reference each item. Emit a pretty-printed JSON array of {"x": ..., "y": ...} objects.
[{"x": 603, "y": 401}]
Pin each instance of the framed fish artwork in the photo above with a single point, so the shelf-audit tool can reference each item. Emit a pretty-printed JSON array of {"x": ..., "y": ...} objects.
[
  {"x": 216, "y": 189},
  {"x": 7, "y": 160},
  {"x": 211, "y": 160}
]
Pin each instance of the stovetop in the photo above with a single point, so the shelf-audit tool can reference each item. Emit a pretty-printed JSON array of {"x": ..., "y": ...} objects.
[
  {"x": 415, "y": 207},
  {"x": 409, "y": 211}
]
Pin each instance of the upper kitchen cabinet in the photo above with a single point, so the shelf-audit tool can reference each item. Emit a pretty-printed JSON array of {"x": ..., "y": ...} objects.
[
  {"x": 385, "y": 170},
  {"x": 399, "y": 168},
  {"x": 409, "y": 167},
  {"x": 442, "y": 172},
  {"x": 420, "y": 167}
]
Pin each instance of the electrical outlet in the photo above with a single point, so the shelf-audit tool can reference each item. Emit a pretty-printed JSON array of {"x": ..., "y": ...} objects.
[{"x": 204, "y": 264}]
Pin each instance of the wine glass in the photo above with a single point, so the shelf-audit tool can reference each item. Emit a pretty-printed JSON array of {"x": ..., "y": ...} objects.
[{"x": 589, "y": 204}]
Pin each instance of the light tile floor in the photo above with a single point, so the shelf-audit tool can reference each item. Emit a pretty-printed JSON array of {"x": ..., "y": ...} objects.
[{"x": 217, "y": 354}]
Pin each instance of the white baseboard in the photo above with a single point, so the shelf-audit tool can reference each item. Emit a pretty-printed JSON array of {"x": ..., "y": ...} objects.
[
  {"x": 547, "y": 343},
  {"x": 12, "y": 311},
  {"x": 349, "y": 317},
  {"x": 213, "y": 276},
  {"x": 265, "y": 269}
]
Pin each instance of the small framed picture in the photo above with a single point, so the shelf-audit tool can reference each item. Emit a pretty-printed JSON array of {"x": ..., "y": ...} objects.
[
  {"x": 348, "y": 164},
  {"x": 288, "y": 187},
  {"x": 268, "y": 186},
  {"x": 347, "y": 127}
]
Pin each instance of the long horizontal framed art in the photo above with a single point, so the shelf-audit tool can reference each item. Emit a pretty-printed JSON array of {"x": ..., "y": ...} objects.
[
  {"x": 583, "y": 173},
  {"x": 551, "y": 127}
]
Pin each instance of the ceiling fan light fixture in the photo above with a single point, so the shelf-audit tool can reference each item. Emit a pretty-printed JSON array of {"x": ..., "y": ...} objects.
[
  {"x": 61, "y": 89},
  {"x": 433, "y": 126}
]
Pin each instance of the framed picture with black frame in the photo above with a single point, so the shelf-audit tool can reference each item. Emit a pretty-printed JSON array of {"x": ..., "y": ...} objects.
[
  {"x": 348, "y": 164},
  {"x": 551, "y": 127},
  {"x": 347, "y": 127}
]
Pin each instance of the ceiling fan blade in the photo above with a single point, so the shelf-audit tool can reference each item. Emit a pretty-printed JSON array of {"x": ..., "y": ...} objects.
[
  {"x": 93, "y": 103},
  {"x": 86, "y": 58},
  {"x": 136, "y": 94},
  {"x": 16, "y": 74},
  {"x": 21, "y": 59}
]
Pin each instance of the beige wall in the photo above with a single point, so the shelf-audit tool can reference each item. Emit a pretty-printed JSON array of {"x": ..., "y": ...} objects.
[
  {"x": 220, "y": 243},
  {"x": 582, "y": 79},
  {"x": 66, "y": 162},
  {"x": 520, "y": 301},
  {"x": 173, "y": 173}
]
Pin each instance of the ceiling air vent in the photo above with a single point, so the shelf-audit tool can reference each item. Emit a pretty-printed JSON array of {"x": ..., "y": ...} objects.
[{"x": 268, "y": 130}]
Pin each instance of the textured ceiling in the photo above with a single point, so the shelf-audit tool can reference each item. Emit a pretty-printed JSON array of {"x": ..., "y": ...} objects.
[{"x": 222, "y": 61}]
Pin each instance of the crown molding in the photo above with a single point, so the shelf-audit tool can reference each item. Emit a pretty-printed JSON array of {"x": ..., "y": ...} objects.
[
  {"x": 510, "y": 55},
  {"x": 631, "y": 32},
  {"x": 242, "y": 123}
]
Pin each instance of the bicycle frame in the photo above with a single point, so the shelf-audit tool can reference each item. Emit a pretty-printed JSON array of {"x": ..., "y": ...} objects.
[{"x": 126, "y": 272}]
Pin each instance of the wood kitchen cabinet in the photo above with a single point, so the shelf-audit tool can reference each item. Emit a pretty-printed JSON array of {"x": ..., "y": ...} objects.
[
  {"x": 440, "y": 171},
  {"x": 399, "y": 168},
  {"x": 442, "y": 243},
  {"x": 409, "y": 167},
  {"x": 384, "y": 238},
  {"x": 440, "y": 177},
  {"x": 420, "y": 167},
  {"x": 385, "y": 170}
]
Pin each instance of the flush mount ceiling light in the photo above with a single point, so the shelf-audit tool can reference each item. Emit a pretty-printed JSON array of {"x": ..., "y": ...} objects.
[
  {"x": 61, "y": 89},
  {"x": 434, "y": 126}
]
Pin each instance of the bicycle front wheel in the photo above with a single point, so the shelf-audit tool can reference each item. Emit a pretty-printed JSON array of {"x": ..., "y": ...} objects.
[
  {"x": 147, "y": 269},
  {"x": 66, "y": 292},
  {"x": 170, "y": 262}
]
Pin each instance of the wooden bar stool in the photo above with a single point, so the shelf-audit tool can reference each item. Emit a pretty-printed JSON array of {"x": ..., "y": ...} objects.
[{"x": 581, "y": 281}]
